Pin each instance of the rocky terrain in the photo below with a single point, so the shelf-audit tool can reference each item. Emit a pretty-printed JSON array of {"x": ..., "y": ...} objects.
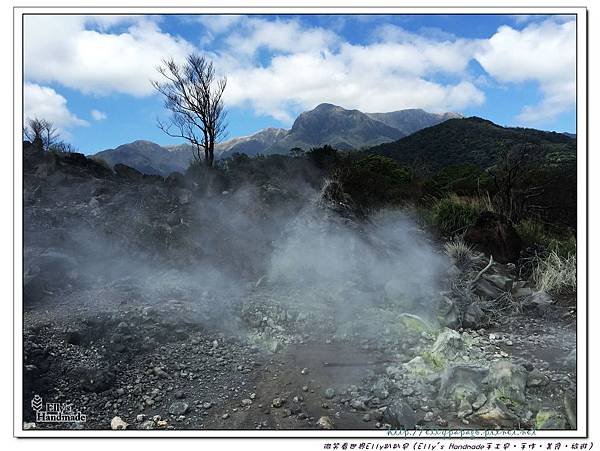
[{"x": 156, "y": 303}]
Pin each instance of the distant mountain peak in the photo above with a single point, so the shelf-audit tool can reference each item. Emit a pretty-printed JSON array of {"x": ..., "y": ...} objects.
[
  {"x": 327, "y": 106},
  {"x": 143, "y": 141},
  {"x": 412, "y": 120},
  {"x": 345, "y": 129}
]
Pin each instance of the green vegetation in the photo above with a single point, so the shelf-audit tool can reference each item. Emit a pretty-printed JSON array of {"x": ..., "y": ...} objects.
[
  {"x": 471, "y": 141},
  {"x": 374, "y": 181},
  {"x": 466, "y": 166},
  {"x": 324, "y": 157},
  {"x": 452, "y": 215},
  {"x": 460, "y": 179},
  {"x": 533, "y": 233}
]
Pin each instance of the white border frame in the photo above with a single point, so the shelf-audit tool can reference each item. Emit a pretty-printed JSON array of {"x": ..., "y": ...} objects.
[{"x": 582, "y": 140}]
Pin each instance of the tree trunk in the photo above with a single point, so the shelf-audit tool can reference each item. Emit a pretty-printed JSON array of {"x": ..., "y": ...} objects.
[
  {"x": 210, "y": 156},
  {"x": 210, "y": 148},
  {"x": 206, "y": 157}
]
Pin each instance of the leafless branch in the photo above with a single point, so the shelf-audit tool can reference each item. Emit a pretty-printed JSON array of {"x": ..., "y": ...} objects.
[{"x": 194, "y": 97}]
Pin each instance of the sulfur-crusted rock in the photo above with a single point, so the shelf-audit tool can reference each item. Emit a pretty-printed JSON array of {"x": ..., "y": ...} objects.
[
  {"x": 448, "y": 345},
  {"x": 508, "y": 381},
  {"x": 461, "y": 381}
]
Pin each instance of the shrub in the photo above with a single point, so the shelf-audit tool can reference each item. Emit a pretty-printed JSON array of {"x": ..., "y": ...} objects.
[
  {"x": 461, "y": 179},
  {"x": 452, "y": 215},
  {"x": 323, "y": 157},
  {"x": 533, "y": 233},
  {"x": 374, "y": 181}
]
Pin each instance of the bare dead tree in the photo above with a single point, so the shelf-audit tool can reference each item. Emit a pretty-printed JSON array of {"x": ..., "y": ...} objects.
[
  {"x": 511, "y": 174},
  {"x": 194, "y": 96},
  {"x": 41, "y": 133}
]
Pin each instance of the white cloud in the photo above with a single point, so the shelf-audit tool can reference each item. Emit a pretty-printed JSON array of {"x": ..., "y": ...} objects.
[
  {"x": 523, "y": 18},
  {"x": 107, "y": 22},
  {"x": 45, "y": 103},
  {"x": 287, "y": 36},
  {"x": 279, "y": 67},
  {"x": 302, "y": 81},
  {"x": 219, "y": 23},
  {"x": 311, "y": 66},
  {"x": 61, "y": 49},
  {"x": 98, "y": 115},
  {"x": 544, "y": 53}
]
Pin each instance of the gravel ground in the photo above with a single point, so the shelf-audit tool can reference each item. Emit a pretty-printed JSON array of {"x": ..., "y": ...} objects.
[
  {"x": 163, "y": 365},
  {"x": 146, "y": 308}
]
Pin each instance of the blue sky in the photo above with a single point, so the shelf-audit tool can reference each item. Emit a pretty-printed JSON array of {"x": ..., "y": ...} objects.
[{"x": 90, "y": 74}]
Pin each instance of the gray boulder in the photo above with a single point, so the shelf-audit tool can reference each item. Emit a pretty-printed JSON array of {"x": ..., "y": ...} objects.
[
  {"x": 509, "y": 380},
  {"x": 536, "y": 378},
  {"x": 448, "y": 314},
  {"x": 448, "y": 345},
  {"x": 521, "y": 290},
  {"x": 550, "y": 419},
  {"x": 496, "y": 412},
  {"x": 381, "y": 388},
  {"x": 505, "y": 283},
  {"x": 462, "y": 381},
  {"x": 97, "y": 379},
  {"x": 400, "y": 415},
  {"x": 464, "y": 408},
  {"x": 474, "y": 317},
  {"x": 178, "y": 408},
  {"x": 538, "y": 299},
  {"x": 487, "y": 289}
]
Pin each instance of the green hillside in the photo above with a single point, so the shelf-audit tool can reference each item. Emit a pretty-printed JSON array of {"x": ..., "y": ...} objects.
[{"x": 472, "y": 141}]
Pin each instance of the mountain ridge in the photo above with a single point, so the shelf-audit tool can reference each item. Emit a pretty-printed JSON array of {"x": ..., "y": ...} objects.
[
  {"x": 345, "y": 129},
  {"x": 473, "y": 140}
]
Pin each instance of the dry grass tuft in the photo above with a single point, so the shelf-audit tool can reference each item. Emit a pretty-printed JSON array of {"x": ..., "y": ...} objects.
[
  {"x": 463, "y": 255},
  {"x": 555, "y": 273}
]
